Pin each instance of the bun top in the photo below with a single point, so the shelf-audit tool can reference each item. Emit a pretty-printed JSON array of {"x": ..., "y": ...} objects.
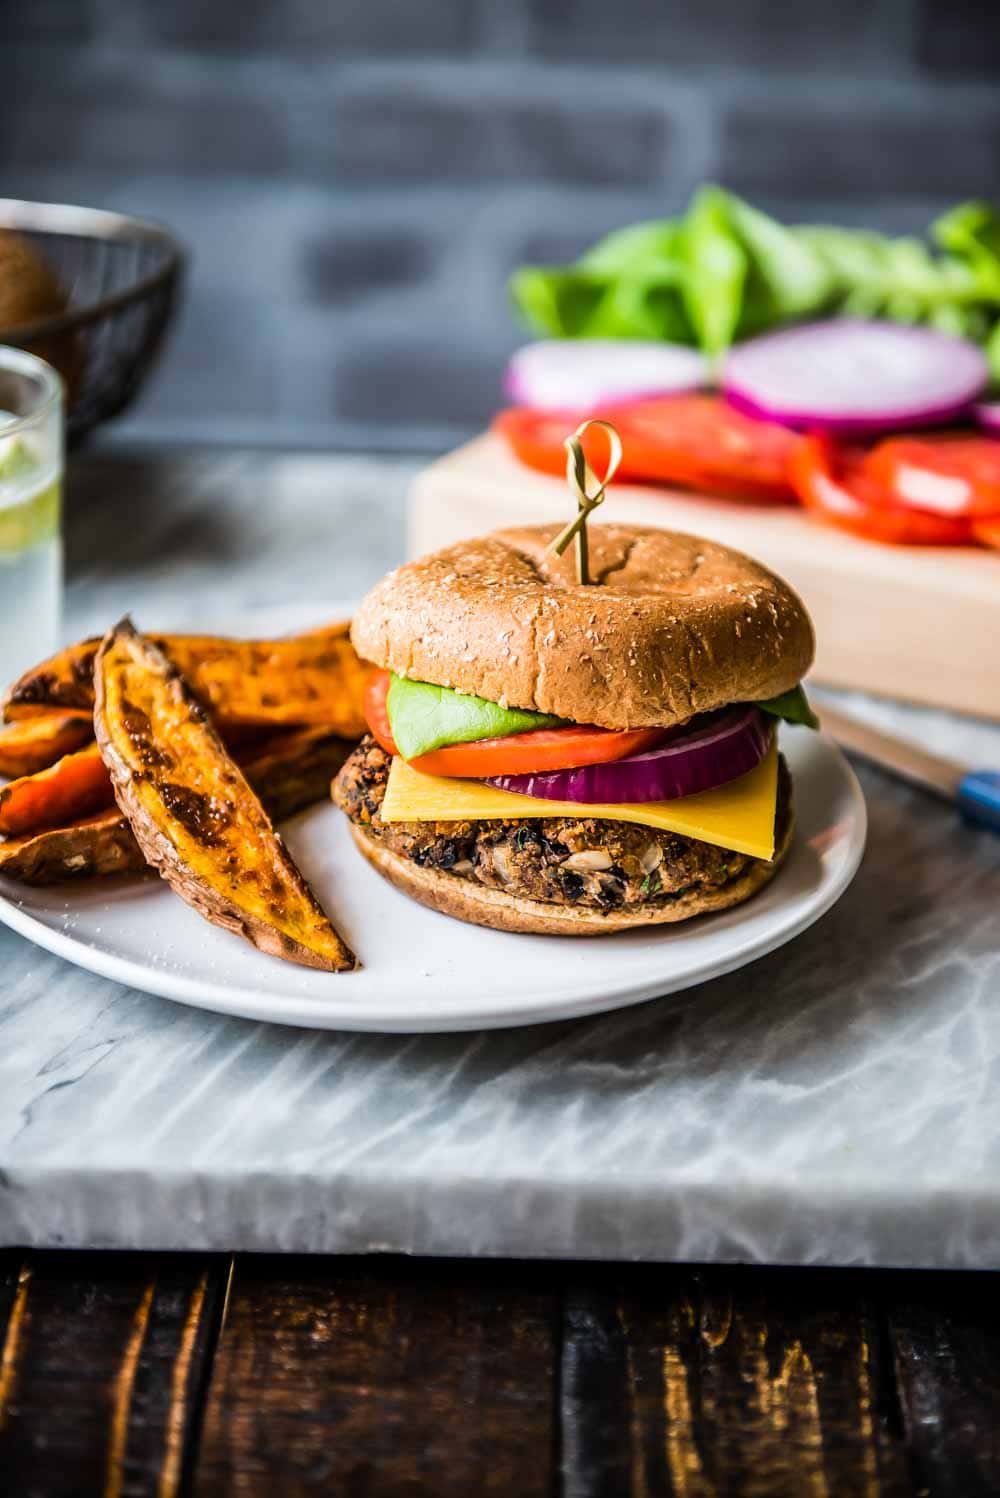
[{"x": 672, "y": 625}]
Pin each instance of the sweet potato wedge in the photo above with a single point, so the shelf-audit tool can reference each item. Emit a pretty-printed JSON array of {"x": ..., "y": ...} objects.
[
  {"x": 310, "y": 680},
  {"x": 294, "y": 769},
  {"x": 291, "y": 772},
  {"x": 193, "y": 812},
  {"x": 36, "y": 743},
  {"x": 78, "y": 785},
  {"x": 102, "y": 844},
  {"x": 75, "y": 786}
]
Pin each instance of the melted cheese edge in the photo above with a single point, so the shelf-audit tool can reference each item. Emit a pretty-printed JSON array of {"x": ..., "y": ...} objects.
[{"x": 738, "y": 815}]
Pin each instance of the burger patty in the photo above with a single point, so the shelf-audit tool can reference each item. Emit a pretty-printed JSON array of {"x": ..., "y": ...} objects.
[{"x": 562, "y": 860}]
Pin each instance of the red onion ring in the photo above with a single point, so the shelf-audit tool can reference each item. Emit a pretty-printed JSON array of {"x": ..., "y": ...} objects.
[
  {"x": 847, "y": 375},
  {"x": 987, "y": 414},
  {"x": 561, "y": 373},
  {"x": 716, "y": 748}
]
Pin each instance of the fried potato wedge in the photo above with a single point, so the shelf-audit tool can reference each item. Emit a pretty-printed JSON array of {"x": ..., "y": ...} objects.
[
  {"x": 78, "y": 785},
  {"x": 294, "y": 769},
  {"x": 36, "y": 743},
  {"x": 102, "y": 844},
  {"x": 292, "y": 772},
  {"x": 193, "y": 812},
  {"x": 75, "y": 786},
  {"x": 310, "y": 680}
]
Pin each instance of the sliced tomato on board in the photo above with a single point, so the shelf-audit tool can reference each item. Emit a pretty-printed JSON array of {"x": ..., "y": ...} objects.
[
  {"x": 696, "y": 441},
  {"x": 517, "y": 753},
  {"x": 831, "y": 480},
  {"x": 702, "y": 442},
  {"x": 987, "y": 531},
  {"x": 536, "y": 438},
  {"x": 948, "y": 473}
]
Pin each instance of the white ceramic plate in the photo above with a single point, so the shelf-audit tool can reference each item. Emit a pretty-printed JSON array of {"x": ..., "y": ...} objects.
[{"x": 423, "y": 971}]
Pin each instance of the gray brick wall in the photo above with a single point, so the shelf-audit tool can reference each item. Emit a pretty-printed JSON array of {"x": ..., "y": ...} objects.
[{"x": 357, "y": 179}]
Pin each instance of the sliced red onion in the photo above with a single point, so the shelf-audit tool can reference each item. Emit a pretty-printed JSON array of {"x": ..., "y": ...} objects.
[
  {"x": 850, "y": 376},
  {"x": 586, "y": 373},
  {"x": 987, "y": 413},
  {"x": 720, "y": 747}
]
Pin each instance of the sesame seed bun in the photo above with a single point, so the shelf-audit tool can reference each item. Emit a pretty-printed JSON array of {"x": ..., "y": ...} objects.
[{"x": 672, "y": 625}]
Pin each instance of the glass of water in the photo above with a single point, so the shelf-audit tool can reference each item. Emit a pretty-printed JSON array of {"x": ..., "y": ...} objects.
[{"x": 31, "y": 467}]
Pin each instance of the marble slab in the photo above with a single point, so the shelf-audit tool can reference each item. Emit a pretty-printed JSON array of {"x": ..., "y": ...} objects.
[{"x": 834, "y": 1103}]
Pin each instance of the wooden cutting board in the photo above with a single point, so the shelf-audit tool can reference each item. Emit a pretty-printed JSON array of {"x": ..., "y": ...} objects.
[{"x": 919, "y": 623}]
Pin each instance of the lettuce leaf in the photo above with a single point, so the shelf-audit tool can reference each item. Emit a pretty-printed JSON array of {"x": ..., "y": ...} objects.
[
  {"x": 424, "y": 717},
  {"x": 724, "y": 271},
  {"x": 791, "y": 707}
]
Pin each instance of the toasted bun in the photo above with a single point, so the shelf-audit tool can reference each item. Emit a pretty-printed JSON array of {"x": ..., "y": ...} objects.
[
  {"x": 483, "y": 906},
  {"x": 673, "y": 625}
]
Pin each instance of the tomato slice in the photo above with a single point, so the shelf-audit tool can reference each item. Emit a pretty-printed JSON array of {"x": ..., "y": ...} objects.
[
  {"x": 951, "y": 473},
  {"x": 536, "y": 438},
  {"x": 695, "y": 441},
  {"x": 832, "y": 481},
  {"x": 702, "y": 442},
  {"x": 516, "y": 754},
  {"x": 376, "y": 708}
]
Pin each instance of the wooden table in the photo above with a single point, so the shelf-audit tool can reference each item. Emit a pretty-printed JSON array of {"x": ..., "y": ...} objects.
[
  {"x": 126, "y": 1374},
  {"x": 137, "y": 1374}
]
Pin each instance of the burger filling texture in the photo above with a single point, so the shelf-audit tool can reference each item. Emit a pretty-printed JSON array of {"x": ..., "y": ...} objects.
[
  {"x": 585, "y": 861},
  {"x": 589, "y": 861},
  {"x": 424, "y": 717}
]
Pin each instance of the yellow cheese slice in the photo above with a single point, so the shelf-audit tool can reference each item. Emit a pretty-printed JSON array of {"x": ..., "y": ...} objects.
[{"x": 739, "y": 815}]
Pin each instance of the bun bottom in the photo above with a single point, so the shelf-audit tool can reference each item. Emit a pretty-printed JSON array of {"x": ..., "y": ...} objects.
[{"x": 483, "y": 906}]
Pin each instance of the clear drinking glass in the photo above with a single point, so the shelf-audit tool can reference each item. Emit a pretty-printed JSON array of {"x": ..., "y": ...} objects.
[{"x": 31, "y": 468}]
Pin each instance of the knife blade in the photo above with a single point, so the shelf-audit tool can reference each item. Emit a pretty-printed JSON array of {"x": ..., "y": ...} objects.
[{"x": 975, "y": 792}]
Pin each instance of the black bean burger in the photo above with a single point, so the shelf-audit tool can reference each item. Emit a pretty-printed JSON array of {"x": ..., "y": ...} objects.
[{"x": 547, "y": 756}]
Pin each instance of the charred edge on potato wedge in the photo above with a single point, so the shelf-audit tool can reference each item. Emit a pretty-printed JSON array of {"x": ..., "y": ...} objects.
[
  {"x": 93, "y": 846},
  {"x": 78, "y": 785},
  {"x": 291, "y": 773},
  {"x": 193, "y": 812},
  {"x": 313, "y": 680}
]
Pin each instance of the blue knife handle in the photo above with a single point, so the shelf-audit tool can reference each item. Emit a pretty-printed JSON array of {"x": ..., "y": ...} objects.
[{"x": 979, "y": 797}]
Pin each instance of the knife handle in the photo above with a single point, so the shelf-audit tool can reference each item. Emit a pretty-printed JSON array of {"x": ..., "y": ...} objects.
[{"x": 979, "y": 797}]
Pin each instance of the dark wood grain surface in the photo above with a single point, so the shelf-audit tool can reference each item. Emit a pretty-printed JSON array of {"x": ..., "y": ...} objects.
[
  {"x": 432, "y": 1378},
  {"x": 728, "y": 1383},
  {"x": 104, "y": 1365},
  {"x": 129, "y": 1375}
]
